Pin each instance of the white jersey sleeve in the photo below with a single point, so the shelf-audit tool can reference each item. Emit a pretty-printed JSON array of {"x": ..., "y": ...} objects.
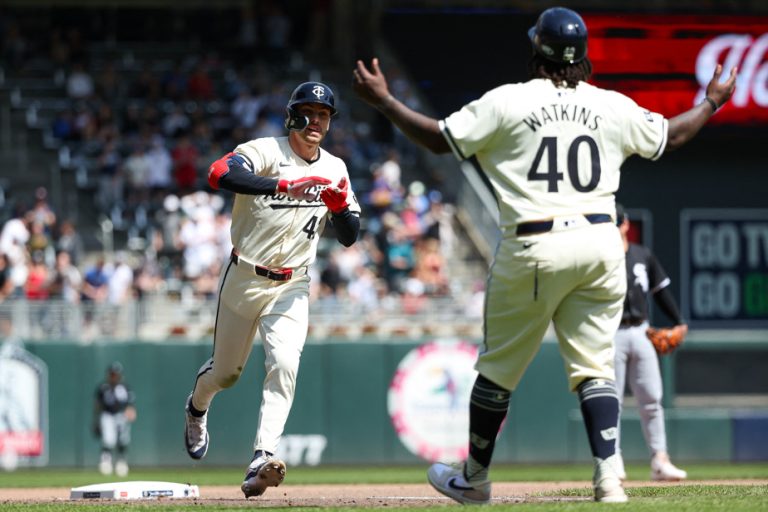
[
  {"x": 471, "y": 129},
  {"x": 645, "y": 132}
]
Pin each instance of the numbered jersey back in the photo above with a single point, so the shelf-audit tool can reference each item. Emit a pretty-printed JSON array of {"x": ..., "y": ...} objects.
[{"x": 551, "y": 150}]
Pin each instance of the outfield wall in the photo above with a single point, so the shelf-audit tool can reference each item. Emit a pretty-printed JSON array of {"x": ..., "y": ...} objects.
[{"x": 340, "y": 413}]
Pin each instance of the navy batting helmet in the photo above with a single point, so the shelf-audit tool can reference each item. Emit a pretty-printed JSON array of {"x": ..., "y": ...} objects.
[
  {"x": 308, "y": 92},
  {"x": 560, "y": 35}
]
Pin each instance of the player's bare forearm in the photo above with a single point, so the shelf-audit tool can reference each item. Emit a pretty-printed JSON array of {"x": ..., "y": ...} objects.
[
  {"x": 371, "y": 86},
  {"x": 685, "y": 126},
  {"x": 418, "y": 127}
]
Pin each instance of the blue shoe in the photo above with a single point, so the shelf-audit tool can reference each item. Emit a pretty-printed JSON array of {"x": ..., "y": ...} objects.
[{"x": 195, "y": 433}]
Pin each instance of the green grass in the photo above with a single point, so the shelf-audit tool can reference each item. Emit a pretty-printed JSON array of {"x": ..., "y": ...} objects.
[
  {"x": 690, "y": 497},
  {"x": 207, "y": 475}
]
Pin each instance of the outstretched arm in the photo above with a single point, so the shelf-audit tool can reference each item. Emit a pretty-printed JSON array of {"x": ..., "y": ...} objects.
[
  {"x": 372, "y": 88},
  {"x": 685, "y": 126}
]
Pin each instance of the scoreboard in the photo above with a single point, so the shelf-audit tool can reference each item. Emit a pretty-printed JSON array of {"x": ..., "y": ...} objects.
[{"x": 724, "y": 267}]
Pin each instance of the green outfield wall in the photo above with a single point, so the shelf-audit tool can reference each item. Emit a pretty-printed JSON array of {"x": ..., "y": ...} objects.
[{"x": 340, "y": 413}]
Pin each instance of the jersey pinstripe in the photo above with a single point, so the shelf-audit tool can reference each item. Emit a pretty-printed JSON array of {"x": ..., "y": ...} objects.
[
  {"x": 259, "y": 223},
  {"x": 551, "y": 151}
]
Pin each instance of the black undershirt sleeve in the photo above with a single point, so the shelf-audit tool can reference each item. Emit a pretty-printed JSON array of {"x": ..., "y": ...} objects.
[
  {"x": 239, "y": 180},
  {"x": 668, "y": 305},
  {"x": 347, "y": 225}
]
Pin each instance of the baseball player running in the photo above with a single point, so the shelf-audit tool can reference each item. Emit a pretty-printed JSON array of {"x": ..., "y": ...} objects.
[
  {"x": 551, "y": 148},
  {"x": 635, "y": 360},
  {"x": 286, "y": 188}
]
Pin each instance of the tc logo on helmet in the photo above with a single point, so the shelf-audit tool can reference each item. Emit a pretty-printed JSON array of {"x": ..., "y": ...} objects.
[{"x": 318, "y": 91}]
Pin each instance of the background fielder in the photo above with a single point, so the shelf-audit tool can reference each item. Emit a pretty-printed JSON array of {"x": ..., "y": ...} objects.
[
  {"x": 551, "y": 148},
  {"x": 113, "y": 413},
  {"x": 287, "y": 188},
  {"x": 636, "y": 362}
]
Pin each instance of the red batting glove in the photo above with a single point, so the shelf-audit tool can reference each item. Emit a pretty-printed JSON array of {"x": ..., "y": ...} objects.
[
  {"x": 335, "y": 198},
  {"x": 302, "y": 187}
]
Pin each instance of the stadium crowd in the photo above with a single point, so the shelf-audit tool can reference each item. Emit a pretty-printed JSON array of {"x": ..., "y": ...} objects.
[{"x": 146, "y": 133}]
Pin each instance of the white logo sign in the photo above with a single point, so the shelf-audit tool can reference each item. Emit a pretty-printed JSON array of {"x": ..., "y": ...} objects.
[
  {"x": 428, "y": 400},
  {"x": 318, "y": 91},
  {"x": 743, "y": 51},
  {"x": 302, "y": 449},
  {"x": 23, "y": 407}
]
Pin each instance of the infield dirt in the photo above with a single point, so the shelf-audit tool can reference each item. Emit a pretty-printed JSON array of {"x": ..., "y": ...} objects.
[{"x": 394, "y": 495}]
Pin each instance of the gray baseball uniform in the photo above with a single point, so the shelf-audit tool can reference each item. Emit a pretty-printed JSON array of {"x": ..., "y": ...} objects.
[
  {"x": 636, "y": 361},
  {"x": 114, "y": 427},
  {"x": 114, "y": 412}
]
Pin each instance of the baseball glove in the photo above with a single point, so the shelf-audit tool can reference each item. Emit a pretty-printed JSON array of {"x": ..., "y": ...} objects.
[{"x": 667, "y": 339}]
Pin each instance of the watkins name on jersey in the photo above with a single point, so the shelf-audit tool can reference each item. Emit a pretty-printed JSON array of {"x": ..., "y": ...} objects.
[{"x": 562, "y": 112}]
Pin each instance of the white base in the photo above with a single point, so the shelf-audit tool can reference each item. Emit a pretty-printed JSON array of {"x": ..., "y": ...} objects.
[{"x": 134, "y": 491}]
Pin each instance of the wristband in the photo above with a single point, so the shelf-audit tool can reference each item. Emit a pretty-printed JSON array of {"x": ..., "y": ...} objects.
[{"x": 711, "y": 103}]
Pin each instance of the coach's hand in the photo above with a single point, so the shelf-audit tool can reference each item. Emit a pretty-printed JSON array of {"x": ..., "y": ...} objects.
[
  {"x": 335, "y": 198},
  {"x": 302, "y": 187},
  {"x": 721, "y": 92},
  {"x": 371, "y": 86}
]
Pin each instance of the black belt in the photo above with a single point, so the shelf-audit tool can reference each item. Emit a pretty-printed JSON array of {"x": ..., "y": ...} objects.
[
  {"x": 280, "y": 274},
  {"x": 543, "y": 226},
  {"x": 631, "y": 322}
]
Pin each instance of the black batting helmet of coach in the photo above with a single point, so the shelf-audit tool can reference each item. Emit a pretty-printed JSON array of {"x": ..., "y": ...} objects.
[{"x": 560, "y": 35}]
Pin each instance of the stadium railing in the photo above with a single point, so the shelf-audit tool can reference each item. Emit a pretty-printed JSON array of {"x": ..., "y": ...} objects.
[{"x": 191, "y": 319}]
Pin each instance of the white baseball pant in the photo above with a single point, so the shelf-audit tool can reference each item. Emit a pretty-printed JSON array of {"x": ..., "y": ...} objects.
[{"x": 279, "y": 311}]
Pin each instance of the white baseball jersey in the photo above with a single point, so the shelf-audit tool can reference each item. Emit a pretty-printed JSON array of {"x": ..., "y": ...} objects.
[
  {"x": 552, "y": 151},
  {"x": 272, "y": 231},
  {"x": 277, "y": 231}
]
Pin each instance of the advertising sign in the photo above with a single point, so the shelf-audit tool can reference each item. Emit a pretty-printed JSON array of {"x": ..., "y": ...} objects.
[
  {"x": 428, "y": 400},
  {"x": 664, "y": 62},
  {"x": 724, "y": 267},
  {"x": 23, "y": 407}
]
